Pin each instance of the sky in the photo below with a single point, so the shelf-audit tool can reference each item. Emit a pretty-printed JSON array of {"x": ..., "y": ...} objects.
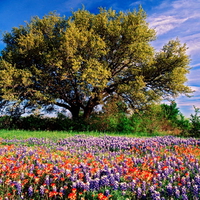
[{"x": 170, "y": 18}]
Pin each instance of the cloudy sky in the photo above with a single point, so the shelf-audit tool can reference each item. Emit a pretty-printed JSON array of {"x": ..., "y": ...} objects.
[{"x": 171, "y": 18}]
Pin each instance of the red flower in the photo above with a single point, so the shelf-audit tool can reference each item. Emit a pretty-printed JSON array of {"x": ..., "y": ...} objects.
[
  {"x": 52, "y": 193},
  {"x": 72, "y": 196},
  {"x": 53, "y": 184},
  {"x": 101, "y": 196},
  {"x": 74, "y": 190}
]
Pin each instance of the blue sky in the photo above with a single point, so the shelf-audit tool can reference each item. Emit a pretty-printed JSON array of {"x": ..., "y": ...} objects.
[{"x": 170, "y": 18}]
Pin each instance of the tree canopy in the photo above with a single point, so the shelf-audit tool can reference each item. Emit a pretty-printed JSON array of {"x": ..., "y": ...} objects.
[{"x": 82, "y": 61}]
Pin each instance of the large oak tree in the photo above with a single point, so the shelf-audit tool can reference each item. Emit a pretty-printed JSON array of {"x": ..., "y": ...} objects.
[{"x": 81, "y": 61}]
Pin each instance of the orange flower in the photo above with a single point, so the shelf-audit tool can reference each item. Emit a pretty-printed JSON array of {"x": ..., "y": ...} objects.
[
  {"x": 37, "y": 179},
  {"x": 39, "y": 171},
  {"x": 60, "y": 194},
  {"x": 101, "y": 196},
  {"x": 46, "y": 191},
  {"x": 74, "y": 190},
  {"x": 31, "y": 175},
  {"x": 53, "y": 184},
  {"x": 7, "y": 182},
  {"x": 165, "y": 167},
  {"x": 14, "y": 175},
  {"x": 72, "y": 196},
  {"x": 52, "y": 193},
  {"x": 80, "y": 175}
]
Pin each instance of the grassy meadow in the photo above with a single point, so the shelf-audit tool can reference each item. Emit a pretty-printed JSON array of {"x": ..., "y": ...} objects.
[{"x": 23, "y": 134}]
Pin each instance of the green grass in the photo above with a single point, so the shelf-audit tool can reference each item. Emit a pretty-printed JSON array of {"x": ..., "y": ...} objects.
[{"x": 20, "y": 134}]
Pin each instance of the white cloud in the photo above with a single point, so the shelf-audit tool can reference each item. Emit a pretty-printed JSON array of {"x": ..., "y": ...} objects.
[
  {"x": 196, "y": 89},
  {"x": 136, "y": 3},
  {"x": 170, "y": 15},
  {"x": 195, "y": 65},
  {"x": 163, "y": 23},
  {"x": 187, "y": 7}
]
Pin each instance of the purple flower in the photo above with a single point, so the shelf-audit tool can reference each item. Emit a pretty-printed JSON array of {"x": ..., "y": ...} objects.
[
  {"x": 123, "y": 186},
  {"x": 115, "y": 185},
  {"x": 30, "y": 191},
  {"x": 132, "y": 184},
  {"x": 94, "y": 184},
  {"x": 42, "y": 190},
  {"x": 107, "y": 193},
  {"x": 87, "y": 186},
  {"x": 177, "y": 192},
  {"x": 152, "y": 189},
  {"x": 197, "y": 179},
  {"x": 47, "y": 180},
  {"x": 188, "y": 183},
  {"x": 184, "y": 190},
  {"x": 104, "y": 181},
  {"x": 143, "y": 186},
  {"x": 169, "y": 189},
  {"x": 184, "y": 197},
  {"x": 18, "y": 186},
  {"x": 196, "y": 190},
  {"x": 183, "y": 180},
  {"x": 155, "y": 195},
  {"x": 22, "y": 175},
  {"x": 54, "y": 188},
  {"x": 139, "y": 192},
  {"x": 117, "y": 177}
]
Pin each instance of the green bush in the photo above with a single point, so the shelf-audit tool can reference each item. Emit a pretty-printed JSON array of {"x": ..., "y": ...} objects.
[
  {"x": 170, "y": 112},
  {"x": 183, "y": 124},
  {"x": 124, "y": 124},
  {"x": 176, "y": 118},
  {"x": 149, "y": 120},
  {"x": 33, "y": 122},
  {"x": 195, "y": 123},
  {"x": 5, "y": 122}
]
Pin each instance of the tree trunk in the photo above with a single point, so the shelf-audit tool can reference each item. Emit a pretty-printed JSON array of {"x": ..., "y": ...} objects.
[
  {"x": 74, "y": 109},
  {"x": 90, "y": 106},
  {"x": 75, "y": 112},
  {"x": 87, "y": 112}
]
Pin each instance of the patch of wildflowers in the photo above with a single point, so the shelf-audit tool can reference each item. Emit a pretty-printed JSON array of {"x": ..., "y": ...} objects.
[{"x": 81, "y": 166}]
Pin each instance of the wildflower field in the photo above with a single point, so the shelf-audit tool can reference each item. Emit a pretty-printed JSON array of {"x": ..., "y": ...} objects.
[{"x": 107, "y": 167}]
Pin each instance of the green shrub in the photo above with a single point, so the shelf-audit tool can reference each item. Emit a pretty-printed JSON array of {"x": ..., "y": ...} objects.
[
  {"x": 176, "y": 118},
  {"x": 5, "y": 122},
  {"x": 149, "y": 120},
  {"x": 183, "y": 124},
  {"x": 124, "y": 124},
  {"x": 195, "y": 120},
  {"x": 170, "y": 112},
  {"x": 33, "y": 122}
]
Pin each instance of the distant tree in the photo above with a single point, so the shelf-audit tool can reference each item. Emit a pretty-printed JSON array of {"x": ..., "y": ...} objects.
[
  {"x": 79, "y": 62},
  {"x": 171, "y": 111},
  {"x": 195, "y": 120}
]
